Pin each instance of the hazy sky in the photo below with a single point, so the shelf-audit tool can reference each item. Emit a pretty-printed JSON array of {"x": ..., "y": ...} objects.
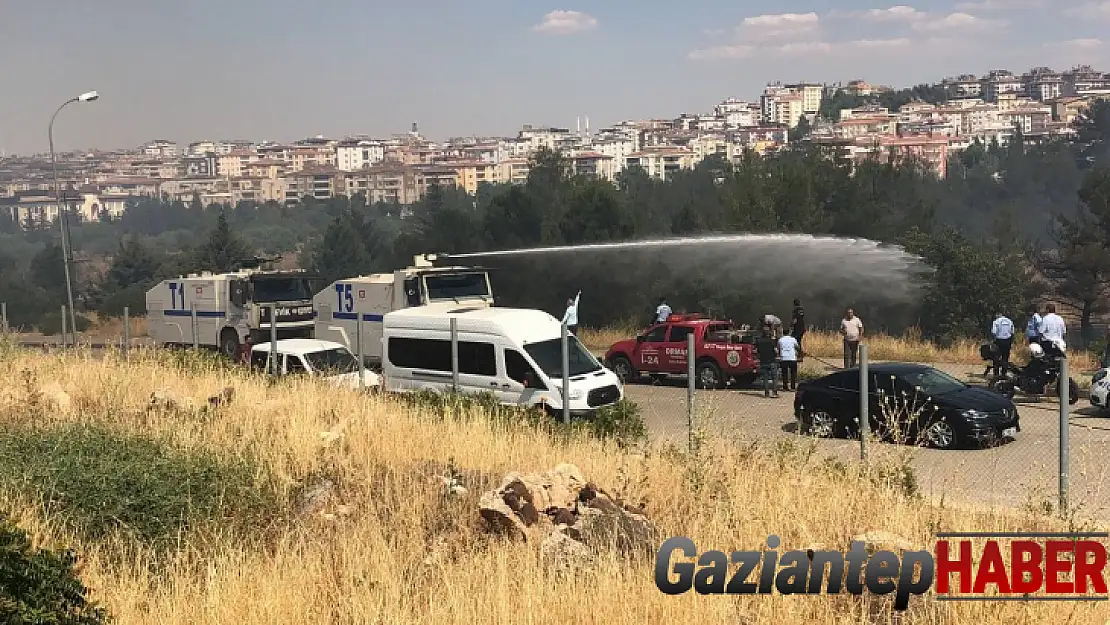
[{"x": 187, "y": 70}]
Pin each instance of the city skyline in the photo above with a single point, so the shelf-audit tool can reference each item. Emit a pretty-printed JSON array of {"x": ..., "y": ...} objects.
[{"x": 206, "y": 70}]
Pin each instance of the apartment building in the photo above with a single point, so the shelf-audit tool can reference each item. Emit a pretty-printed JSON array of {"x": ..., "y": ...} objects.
[
  {"x": 235, "y": 163},
  {"x": 159, "y": 149},
  {"x": 469, "y": 175},
  {"x": 595, "y": 164},
  {"x": 202, "y": 166},
  {"x": 999, "y": 81},
  {"x": 353, "y": 154},
  {"x": 780, "y": 105},
  {"x": 387, "y": 182},
  {"x": 513, "y": 170},
  {"x": 301, "y": 157},
  {"x": 811, "y": 96},
  {"x": 964, "y": 86},
  {"x": 316, "y": 181},
  {"x": 661, "y": 162}
]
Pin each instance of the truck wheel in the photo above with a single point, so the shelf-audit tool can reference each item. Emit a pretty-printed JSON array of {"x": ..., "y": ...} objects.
[
  {"x": 229, "y": 343},
  {"x": 708, "y": 375},
  {"x": 623, "y": 368}
]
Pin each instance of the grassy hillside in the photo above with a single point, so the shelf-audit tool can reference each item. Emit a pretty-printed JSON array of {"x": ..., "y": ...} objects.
[{"x": 189, "y": 515}]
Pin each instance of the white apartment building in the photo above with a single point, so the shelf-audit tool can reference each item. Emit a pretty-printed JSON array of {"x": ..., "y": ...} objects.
[
  {"x": 811, "y": 96},
  {"x": 549, "y": 138},
  {"x": 160, "y": 148},
  {"x": 661, "y": 162},
  {"x": 354, "y": 155}
]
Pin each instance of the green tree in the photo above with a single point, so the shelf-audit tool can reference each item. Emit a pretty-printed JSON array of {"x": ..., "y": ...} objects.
[
  {"x": 223, "y": 250},
  {"x": 970, "y": 283},
  {"x": 341, "y": 252},
  {"x": 1078, "y": 265}
]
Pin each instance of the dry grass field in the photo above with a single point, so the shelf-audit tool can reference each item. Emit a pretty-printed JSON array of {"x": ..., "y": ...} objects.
[
  {"x": 907, "y": 348},
  {"x": 184, "y": 515}
]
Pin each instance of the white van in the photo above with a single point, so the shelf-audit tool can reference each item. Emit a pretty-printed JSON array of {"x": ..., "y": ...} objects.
[
  {"x": 331, "y": 361},
  {"x": 514, "y": 353}
]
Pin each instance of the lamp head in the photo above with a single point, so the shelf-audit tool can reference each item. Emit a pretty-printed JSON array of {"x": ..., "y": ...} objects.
[{"x": 88, "y": 96}]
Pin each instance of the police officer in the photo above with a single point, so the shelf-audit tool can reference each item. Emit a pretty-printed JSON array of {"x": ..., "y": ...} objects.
[{"x": 1002, "y": 330}]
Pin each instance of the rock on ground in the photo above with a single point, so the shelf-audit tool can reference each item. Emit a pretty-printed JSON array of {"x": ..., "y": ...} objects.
[{"x": 573, "y": 520}]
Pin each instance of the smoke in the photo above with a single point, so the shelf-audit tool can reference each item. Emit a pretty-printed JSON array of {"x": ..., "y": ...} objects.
[{"x": 746, "y": 273}]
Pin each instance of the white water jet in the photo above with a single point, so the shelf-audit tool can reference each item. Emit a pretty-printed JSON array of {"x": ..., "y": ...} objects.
[{"x": 801, "y": 263}]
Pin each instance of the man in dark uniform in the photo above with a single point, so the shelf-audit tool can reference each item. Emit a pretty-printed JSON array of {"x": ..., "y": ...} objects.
[
  {"x": 767, "y": 350},
  {"x": 798, "y": 322}
]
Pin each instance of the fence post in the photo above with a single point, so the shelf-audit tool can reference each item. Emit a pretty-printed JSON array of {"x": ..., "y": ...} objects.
[
  {"x": 1065, "y": 409},
  {"x": 566, "y": 372},
  {"x": 361, "y": 361},
  {"x": 454, "y": 355},
  {"x": 274, "y": 370},
  {"x": 691, "y": 383},
  {"x": 126, "y": 330},
  {"x": 4, "y": 316},
  {"x": 64, "y": 335},
  {"x": 193, "y": 323},
  {"x": 864, "y": 404}
]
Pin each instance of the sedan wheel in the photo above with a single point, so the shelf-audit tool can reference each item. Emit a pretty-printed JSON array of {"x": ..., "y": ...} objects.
[
  {"x": 820, "y": 424},
  {"x": 941, "y": 435}
]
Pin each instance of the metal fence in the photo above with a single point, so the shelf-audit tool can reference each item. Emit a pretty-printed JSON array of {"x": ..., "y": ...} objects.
[{"x": 1055, "y": 461}]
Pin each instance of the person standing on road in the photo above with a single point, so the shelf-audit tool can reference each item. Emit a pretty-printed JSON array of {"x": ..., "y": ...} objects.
[
  {"x": 851, "y": 328},
  {"x": 789, "y": 350},
  {"x": 570, "y": 317},
  {"x": 767, "y": 351},
  {"x": 1002, "y": 330},
  {"x": 1053, "y": 331},
  {"x": 1033, "y": 326},
  {"x": 662, "y": 311},
  {"x": 798, "y": 322}
]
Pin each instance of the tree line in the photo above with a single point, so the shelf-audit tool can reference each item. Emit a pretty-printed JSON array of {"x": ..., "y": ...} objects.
[{"x": 1007, "y": 226}]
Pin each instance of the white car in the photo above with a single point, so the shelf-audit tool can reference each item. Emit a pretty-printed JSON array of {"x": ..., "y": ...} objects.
[
  {"x": 331, "y": 361},
  {"x": 1100, "y": 388}
]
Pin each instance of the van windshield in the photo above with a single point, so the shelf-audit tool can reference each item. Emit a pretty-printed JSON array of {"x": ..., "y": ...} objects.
[
  {"x": 332, "y": 361},
  {"x": 549, "y": 356}
]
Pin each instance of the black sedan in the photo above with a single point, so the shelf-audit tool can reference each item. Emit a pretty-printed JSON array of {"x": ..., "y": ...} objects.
[{"x": 908, "y": 403}]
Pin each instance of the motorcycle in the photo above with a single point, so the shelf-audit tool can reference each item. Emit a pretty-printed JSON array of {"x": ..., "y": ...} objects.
[{"x": 1041, "y": 372}]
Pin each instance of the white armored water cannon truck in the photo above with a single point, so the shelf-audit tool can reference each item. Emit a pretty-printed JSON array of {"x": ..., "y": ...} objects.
[
  {"x": 340, "y": 305},
  {"x": 232, "y": 309}
]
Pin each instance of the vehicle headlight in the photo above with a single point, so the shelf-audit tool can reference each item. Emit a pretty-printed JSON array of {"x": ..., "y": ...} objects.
[
  {"x": 974, "y": 414},
  {"x": 1100, "y": 375}
]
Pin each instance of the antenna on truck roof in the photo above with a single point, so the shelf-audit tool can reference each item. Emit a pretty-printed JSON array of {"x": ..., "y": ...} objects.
[{"x": 256, "y": 261}]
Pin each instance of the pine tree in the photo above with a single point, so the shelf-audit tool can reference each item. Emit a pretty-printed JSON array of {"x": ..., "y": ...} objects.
[
  {"x": 341, "y": 253},
  {"x": 223, "y": 250}
]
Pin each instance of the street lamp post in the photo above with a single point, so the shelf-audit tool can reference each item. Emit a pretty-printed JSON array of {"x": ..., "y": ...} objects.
[{"x": 62, "y": 217}]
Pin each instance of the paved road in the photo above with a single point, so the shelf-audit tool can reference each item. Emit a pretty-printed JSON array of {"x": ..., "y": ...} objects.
[{"x": 1021, "y": 472}]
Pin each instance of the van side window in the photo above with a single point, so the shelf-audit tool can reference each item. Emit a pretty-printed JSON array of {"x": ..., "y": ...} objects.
[
  {"x": 476, "y": 358},
  {"x": 258, "y": 360},
  {"x": 428, "y": 354},
  {"x": 435, "y": 355},
  {"x": 516, "y": 367}
]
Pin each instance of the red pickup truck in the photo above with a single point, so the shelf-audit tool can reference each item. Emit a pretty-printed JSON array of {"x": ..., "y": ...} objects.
[{"x": 721, "y": 352}]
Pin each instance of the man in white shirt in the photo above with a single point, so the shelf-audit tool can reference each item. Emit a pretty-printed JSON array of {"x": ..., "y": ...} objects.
[
  {"x": 788, "y": 353},
  {"x": 570, "y": 317},
  {"x": 1053, "y": 330},
  {"x": 662, "y": 311},
  {"x": 851, "y": 328},
  {"x": 1002, "y": 330}
]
